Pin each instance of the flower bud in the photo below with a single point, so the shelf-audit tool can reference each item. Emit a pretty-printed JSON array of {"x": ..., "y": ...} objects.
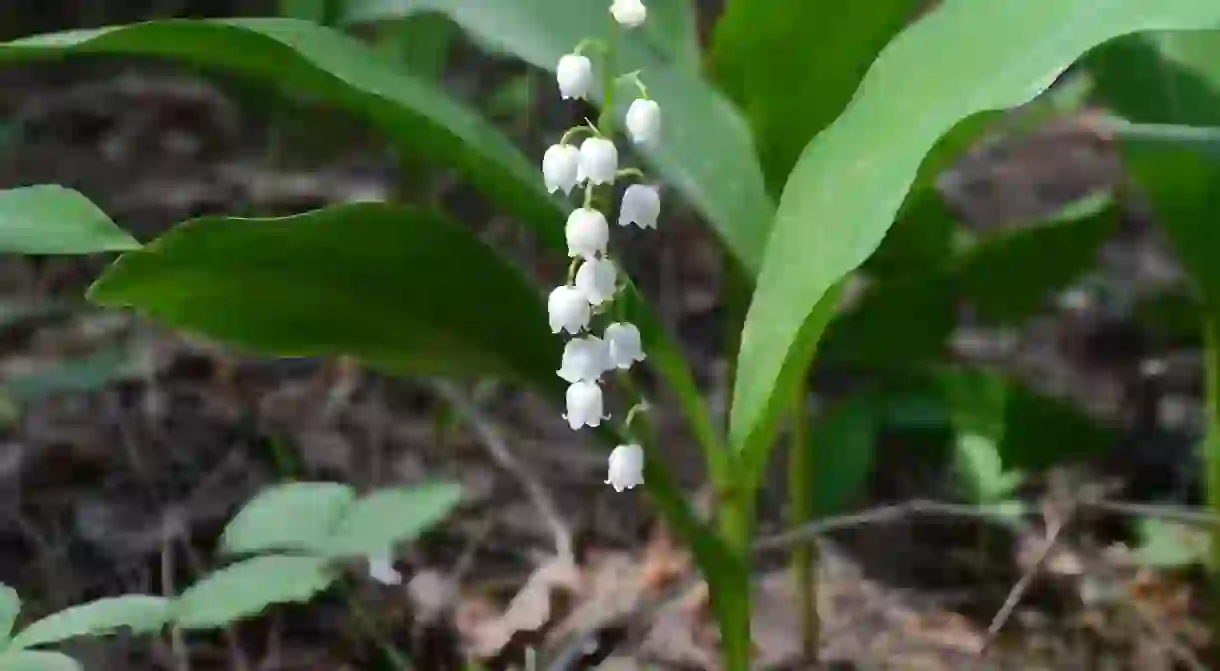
[
  {"x": 598, "y": 161},
  {"x": 568, "y": 310},
  {"x": 629, "y": 13},
  {"x": 641, "y": 206},
  {"x": 587, "y": 233},
  {"x": 623, "y": 341},
  {"x": 584, "y": 360},
  {"x": 584, "y": 400},
  {"x": 626, "y": 467},
  {"x": 559, "y": 167},
  {"x": 574, "y": 75},
  {"x": 644, "y": 122},
  {"x": 596, "y": 280}
]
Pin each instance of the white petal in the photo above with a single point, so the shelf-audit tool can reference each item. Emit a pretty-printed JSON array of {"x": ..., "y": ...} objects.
[
  {"x": 623, "y": 341},
  {"x": 584, "y": 359},
  {"x": 587, "y": 233},
  {"x": 641, "y": 206},
  {"x": 567, "y": 310},
  {"x": 598, "y": 160},
  {"x": 574, "y": 74},
  {"x": 626, "y": 467},
  {"x": 382, "y": 570},
  {"x": 596, "y": 280},
  {"x": 560, "y": 166},
  {"x": 644, "y": 122},
  {"x": 630, "y": 13},
  {"x": 584, "y": 401}
]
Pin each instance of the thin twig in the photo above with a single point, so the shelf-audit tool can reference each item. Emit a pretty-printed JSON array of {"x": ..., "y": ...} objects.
[{"x": 490, "y": 437}]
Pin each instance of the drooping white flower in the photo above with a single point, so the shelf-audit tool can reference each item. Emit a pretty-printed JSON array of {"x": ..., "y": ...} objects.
[
  {"x": 587, "y": 233},
  {"x": 560, "y": 164},
  {"x": 623, "y": 342},
  {"x": 626, "y": 467},
  {"x": 568, "y": 310},
  {"x": 596, "y": 280},
  {"x": 641, "y": 206},
  {"x": 584, "y": 400},
  {"x": 382, "y": 570},
  {"x": 630, "y": 13},
  {"x": 584, "y": 359},
  {"x": 574, "y": 75},
  {"x": 644, "y": 122},
  {"x": 598, "y": 161}
]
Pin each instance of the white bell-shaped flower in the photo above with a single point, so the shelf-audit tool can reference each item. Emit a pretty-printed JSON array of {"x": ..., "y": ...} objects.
[
  {"x": 630, "y": 13},
  {"x": 644, "y": 122},
  {"x": 641, "y": 206},
  {"x": 584, "y": 400},
  {"x": 584, "y": 360},
  {"x": 587, "y": 233},
  {"x": 596, "y": 280},
  {"x": 382, "y": 570},
  {"x": 574, "y": 75},
  {"x": 560, "y": 164},
  {"x": 568, "y": 310},
  {"x": 598, "y": 161},
  {"x": 623, "y": 342},
  {"x": 626, "y": 467}
]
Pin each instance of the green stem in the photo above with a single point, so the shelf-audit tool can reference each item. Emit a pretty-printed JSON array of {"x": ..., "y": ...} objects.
[
  {"x": 1211, "y": 444},
  {"x": 804, "y": 559},
  {"x": 731, "y": 592}
]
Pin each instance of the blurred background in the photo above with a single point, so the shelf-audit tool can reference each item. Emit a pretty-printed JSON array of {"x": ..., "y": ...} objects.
[{"x": 125, "y": 447}]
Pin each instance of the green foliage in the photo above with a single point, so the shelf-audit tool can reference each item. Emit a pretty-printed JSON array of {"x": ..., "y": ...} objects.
[
  {"x": 961, "y": 58},
  {"x": 843, "y": 445},
  {"x": 37, "y": 660},
  {"x": 54, "y": 220},
  {"x": 247, "y": 587},
  {"x": 83, "y": 374},
  {"x": 403, "y": 289},
  {"x": 10, "y": 606},
  {"x": 298, "y": 516},
  {"x": 1164, "y": 544},
  {"x": 139, "y": 613},
  {"x": 376, "y": 522}
]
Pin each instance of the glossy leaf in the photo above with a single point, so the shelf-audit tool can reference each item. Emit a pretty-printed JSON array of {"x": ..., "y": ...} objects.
[
  {"x": 405, "y": 290},
  {"x": 137, "y": 612},
  {"x": 961, "y": 58},
  {"x": 246, "y": 588},
  {"x": 374, "y": 524},
  {"x": 707, "y": 152},
  {"x": 54, "y": 220},
  {"x": 38, "y": 660},
  {"x": 793, "y": 65},
  {"x": 294, "y": 516}
]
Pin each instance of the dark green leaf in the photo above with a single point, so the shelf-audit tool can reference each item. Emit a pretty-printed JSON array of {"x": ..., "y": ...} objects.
[
  {"x": 402, "y": 289},
  {"x": 844, "y": 445},
  {"x": 896, "y": 324},
  {"x": 88, "y": 373},
  {"x": 793, "y": 65},
  {"x": 961, "y": 58},
  {"x": 54, "y": 220}
]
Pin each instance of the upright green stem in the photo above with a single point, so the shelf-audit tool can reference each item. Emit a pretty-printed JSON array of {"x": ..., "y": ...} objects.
[
  {"x": 804, "y": 557},
  {"x": 731, "y": 591}
]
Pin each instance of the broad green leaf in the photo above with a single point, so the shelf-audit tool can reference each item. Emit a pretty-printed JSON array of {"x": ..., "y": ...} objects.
[
  {"x": 897, "y": 324},
  {"x": 1166, "y": 545},
  {"x": 54, "y": 220},
  {"x": 375, "y": 523},
  {"x": 1161, "y": 78},
  {"x": 1008, "y": 276},
  {"x": 921, "y": 240},
  {"x": 961, "y": 58},
  {"x": 38, "y": 660},
  {"x": 325, "y": 65},
  {"x": 420, "y": 44},
  {"x": 137, "y": 612},
  {"x": 793, "y": 65},
  {"x": 403, "y": 289},
  {"x": 980, "y": 469},
  {"x": 707, "y": 153},
  {"x": 10, "y": 606},
  {"x": 844, "y": 446},
  {"x": 293, "y": 516},
  {"x": 246, "y": 588}
]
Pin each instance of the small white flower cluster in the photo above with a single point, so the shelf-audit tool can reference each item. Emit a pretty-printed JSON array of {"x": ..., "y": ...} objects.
[{"x": 594, "y": 280}]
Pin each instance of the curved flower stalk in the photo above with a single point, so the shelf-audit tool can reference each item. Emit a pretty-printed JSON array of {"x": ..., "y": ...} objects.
[{"x": 578, "y": 306}]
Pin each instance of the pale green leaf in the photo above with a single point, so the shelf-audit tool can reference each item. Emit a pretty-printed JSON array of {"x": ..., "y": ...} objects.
[
  {"x": 137, "y": 612},
  {"x": 246, "y": 588},
  {"x": 10, "y": 607},
  {"x": 1164, "y": 544},
  {"x": 961, "y": 58},
  {"x": 38, "y": 660},
  {"x": 293, "y": 516},
  {"x": 375, "y": 523},
  {"x": 54, "y": 220}
]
